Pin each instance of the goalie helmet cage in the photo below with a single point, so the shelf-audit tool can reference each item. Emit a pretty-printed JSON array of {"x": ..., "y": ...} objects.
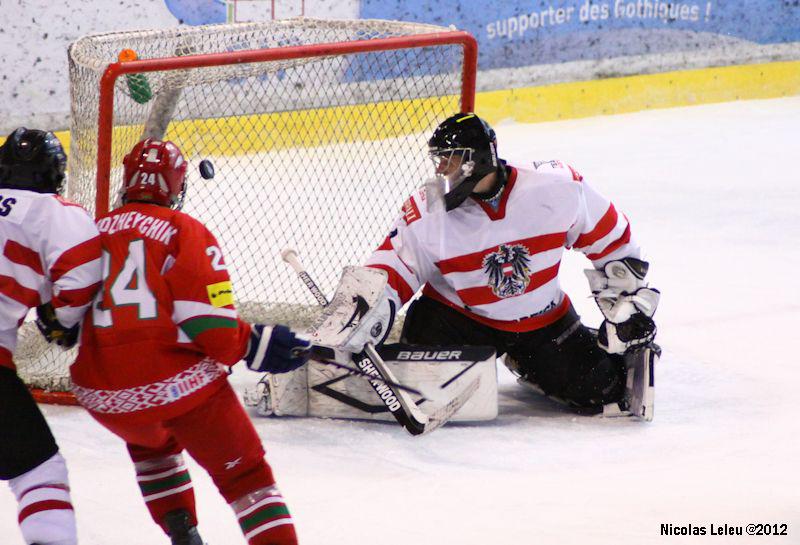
[{"x": 317, "y": 130}]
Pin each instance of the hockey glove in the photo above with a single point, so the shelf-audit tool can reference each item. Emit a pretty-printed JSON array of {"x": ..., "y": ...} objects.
[
  {"x": 360, "y": 312},
  {"x": 51, "y": 328},
  {"x": 627, "y": 305},
  {"x": 275, "y": 349}
]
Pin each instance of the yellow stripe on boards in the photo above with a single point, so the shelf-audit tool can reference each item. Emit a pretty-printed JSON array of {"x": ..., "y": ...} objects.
[
  {"x": 634, "y": 93},
  {"x": 240, "y": 135},
  {"x": 308, "y": 128}
]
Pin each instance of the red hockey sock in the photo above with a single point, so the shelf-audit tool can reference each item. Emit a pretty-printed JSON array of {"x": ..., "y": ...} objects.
[
  {"x": 164, "y": 481},
  {"x": 264, "y": 518}
]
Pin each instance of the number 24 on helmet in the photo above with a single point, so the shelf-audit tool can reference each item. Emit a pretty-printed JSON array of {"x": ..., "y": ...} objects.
[{"x": 155, "y": 172}]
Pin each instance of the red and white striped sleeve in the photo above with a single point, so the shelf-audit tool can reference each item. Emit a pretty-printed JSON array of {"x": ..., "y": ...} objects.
[
  {"x": 72, "y": 258},
  {"x": 398, "y": 255},
  {"x": 600, "y": 231}
]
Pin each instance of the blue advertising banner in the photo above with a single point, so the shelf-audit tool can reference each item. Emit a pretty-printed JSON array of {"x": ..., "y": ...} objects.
[{"x": 515, "y": 33}]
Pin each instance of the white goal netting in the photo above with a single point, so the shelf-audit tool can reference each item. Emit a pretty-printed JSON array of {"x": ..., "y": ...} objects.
[{"x": 315, "y": 152}]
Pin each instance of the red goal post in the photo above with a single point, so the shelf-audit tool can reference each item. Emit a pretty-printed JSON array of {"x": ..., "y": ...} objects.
[{"x": 317, "y": 129}]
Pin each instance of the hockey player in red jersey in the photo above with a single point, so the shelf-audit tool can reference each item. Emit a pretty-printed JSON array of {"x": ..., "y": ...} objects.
[
  {"x": 50, "y": 260},
  {"x": 483, "y": 240},
  {"x": 154, "y": 350}
]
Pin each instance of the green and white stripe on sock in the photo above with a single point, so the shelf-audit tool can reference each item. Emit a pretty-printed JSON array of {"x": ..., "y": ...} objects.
[
  {"x": 263, "y": 515},
  {"x": 165, "y": 483}
]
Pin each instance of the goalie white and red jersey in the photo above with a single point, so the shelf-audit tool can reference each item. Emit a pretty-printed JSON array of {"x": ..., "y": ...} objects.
[
  {"x": 50, "y": 252},
  {"x": 499, "y": 266},
  {"x": 167, "y": 293}
]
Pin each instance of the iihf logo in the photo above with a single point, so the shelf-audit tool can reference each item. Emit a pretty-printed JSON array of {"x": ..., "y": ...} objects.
[{"x": 508, "y": 270}]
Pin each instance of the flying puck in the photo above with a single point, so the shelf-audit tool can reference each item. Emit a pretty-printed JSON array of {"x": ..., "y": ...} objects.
[{"x": 206, "y": 169}]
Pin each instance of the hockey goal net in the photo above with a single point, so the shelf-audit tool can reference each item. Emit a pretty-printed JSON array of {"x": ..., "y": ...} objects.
[{"x": 316, "y": 129}]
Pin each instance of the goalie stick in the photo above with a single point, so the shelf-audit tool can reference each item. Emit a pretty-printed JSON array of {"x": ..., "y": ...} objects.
[
  {"x": 333, "y": 357},
  {"x": 336, "y": 358},
  {"x": 397, "y": 401},
  {"x": 166, "y": 99}
]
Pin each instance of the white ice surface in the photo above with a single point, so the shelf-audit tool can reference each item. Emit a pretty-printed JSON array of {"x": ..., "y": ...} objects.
[{"x": 713, "y": 194}]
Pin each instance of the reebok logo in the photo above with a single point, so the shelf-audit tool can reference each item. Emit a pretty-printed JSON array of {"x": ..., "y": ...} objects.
[{"x": 233, "y": 463}]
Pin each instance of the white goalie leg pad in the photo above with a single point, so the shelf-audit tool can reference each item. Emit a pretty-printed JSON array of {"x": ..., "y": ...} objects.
[
  {"x": 436, "y": 370},
  {"x": 360, "y": 311},
  {"x": 321, "y": 390},
  {"x": 640, "y": 388},
  {"x": 284, "y": 394}
]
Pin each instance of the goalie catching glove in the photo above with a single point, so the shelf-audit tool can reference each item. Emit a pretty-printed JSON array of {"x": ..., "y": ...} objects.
[
  {"x": 627, "y": 305},
  {"x": 360, "y": 312},
  {"x": 52, "y": 330},
  {"x": 275, "y": 349}
]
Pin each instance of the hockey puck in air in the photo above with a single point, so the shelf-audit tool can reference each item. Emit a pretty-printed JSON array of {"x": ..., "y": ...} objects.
[{"x": 206, "y": 169}]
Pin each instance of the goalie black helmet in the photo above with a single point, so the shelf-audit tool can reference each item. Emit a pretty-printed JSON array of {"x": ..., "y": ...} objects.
[
  {"x": 34, "y": 160},
  {"x": 468, "y": 141}
]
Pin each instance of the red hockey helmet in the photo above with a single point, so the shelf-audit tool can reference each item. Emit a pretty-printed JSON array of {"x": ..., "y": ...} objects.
[{"x": 154, "y": 172}]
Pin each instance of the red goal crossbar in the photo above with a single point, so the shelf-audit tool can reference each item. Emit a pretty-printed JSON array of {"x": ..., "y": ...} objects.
[{"x": 115, "y": 70}]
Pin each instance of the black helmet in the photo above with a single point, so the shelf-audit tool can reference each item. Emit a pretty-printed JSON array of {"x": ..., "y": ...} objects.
[
  {"x": 467, "y": 135},
  {"x": 34, "y": 160}
]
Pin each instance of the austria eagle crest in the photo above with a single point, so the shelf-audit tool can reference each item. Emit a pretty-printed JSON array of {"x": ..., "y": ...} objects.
[{"x": 508, "y": 271}]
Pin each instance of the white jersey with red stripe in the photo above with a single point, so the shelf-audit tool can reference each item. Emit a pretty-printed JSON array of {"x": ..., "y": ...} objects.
[
  {"x": 50, "y": 252},
  {"x": 499, "y": 265}
]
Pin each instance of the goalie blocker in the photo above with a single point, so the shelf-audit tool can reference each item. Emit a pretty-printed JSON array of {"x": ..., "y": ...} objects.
[{"x": 321, "y": 390}]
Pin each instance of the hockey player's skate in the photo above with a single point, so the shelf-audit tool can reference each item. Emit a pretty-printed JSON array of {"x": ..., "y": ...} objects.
[{"x": 180, "y": 528}]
